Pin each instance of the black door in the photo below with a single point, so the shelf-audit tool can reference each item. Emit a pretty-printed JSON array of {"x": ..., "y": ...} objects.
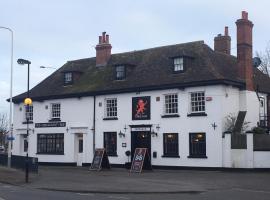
[{"x": 140, "y": 139}]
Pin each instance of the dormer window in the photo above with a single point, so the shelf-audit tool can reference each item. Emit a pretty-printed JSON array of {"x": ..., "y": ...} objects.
[
  {"x": 68, "y": 78},
  {"x": 178, "y": 64},
  {"x": 120, "y": 72}
]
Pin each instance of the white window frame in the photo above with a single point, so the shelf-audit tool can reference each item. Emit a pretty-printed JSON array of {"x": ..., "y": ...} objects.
[
  {"x": 110, "y": 107},
  {"x": 54, "y": 114},
  {"x": 31, "y": 113},
  {"x": 121, "y": 72},
  {"x": 178, "y": 64},
  {"x": 168, "y": 110},
  {"x": 68, "y": 77},
  {"x": 197, "y": 102}
]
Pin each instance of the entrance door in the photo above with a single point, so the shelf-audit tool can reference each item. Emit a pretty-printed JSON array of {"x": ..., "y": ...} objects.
[
  {"x": 140, "y": 139},
  {"x": 80, "y": 151}
]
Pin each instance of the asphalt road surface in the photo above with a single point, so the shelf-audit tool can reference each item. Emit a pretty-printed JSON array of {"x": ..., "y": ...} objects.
[{"x": 10, "y": 192}]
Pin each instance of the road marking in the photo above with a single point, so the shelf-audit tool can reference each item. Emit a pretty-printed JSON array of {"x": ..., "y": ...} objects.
[
  {"x": 250, "y": 190},
  {"x": 83, "y": 194},
  {"x": 117, "y": 197}
]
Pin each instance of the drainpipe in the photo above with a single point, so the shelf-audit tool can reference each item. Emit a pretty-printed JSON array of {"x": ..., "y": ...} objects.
[{"x": 94, "y": 126}]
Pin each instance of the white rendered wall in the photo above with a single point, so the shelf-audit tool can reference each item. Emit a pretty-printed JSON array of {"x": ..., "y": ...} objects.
[
  {"x": 76, "y": 112},
  {"x": 261, "y": 159},
  {"x": 182, "y": 125}
]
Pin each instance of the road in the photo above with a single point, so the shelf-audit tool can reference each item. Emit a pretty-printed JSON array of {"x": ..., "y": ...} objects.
[{"x": 9, "y": 192}]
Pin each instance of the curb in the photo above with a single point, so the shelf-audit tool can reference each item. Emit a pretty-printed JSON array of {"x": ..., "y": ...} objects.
[{"x": 123, "y": 192}]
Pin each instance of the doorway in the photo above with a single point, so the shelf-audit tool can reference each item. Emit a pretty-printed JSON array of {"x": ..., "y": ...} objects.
[
  {"x": 79, "y": 149},
  {"x": 140, "y": 139}
]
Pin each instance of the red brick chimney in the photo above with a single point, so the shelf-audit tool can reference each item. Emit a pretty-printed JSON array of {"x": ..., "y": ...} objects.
[
  {"x": 103, "y": 50},
  {"x": 244, "y": 50},
  {"x": 223, "y": 42}
]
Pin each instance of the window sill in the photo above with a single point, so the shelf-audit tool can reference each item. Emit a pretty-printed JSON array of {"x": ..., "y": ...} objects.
[
  {"x": 30, "y": 122},
  {"x": 113, "y": 155},
  {"x": 197, "y": 114},
  {"x": 55, "y": 120},
  {"x": 50, "y": 153},
  {"x": 170, "y": 116},
  {"x": 170, "y": 156},
  {"x": 110, "y": 118},
  {"x": 197, "y": 156}
]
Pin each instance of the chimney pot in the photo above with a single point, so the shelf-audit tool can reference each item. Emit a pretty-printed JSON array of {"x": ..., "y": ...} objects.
[
  {"x": 244, "y": 15},
  {"x": 100, "y": 39},
  {"x": 107, "y": 39},
  {"x": 226, "y": 32},
  {"x": 103, "y": 37}
]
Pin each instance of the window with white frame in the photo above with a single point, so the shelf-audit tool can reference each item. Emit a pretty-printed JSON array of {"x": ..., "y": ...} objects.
[
  {"x": 68, "y": 77},
  {"x": 120, "y": 72},
  {"x": 111, "y": 108},
  {"x": 197, "y": 102},
  {"x": 29, "y": 112},
  {"x": 55, "y": 110},
  {"x": 171, "y": 104},
  {"x": 178, "y": 64}
]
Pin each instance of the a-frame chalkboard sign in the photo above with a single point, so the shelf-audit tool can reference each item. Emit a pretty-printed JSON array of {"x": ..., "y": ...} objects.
[
  {"x": 141, "y": 159},
  {"x": 100, "y": 160}
]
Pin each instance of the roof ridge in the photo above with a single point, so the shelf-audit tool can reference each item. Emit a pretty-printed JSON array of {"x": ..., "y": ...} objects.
[
  {"x": 159, "y": 47},
  {"x": 141, "y": 50}
]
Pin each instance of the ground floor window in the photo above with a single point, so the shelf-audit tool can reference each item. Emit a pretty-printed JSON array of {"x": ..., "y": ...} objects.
[
  {"x": 110, "y": 143},
  {"x": 170, "y": 145},
  {"x": 197, "y": 145},
  {"x": 50, "y": 143}
]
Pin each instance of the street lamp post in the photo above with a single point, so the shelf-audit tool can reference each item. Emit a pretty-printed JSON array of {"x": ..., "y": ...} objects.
[
  {"x": 10, "y": 100},
  {"x": 27, "y": 102}
]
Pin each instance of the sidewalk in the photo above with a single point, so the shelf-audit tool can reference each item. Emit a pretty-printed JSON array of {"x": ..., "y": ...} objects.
[{"x": 81, "y": 180}]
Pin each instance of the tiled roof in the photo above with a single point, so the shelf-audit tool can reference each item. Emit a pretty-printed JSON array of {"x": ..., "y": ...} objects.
[{"x": 148, "y": 69}]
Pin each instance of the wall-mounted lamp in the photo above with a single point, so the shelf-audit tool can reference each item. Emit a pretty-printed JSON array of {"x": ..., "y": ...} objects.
[
  {"x": 121, "y": 134},
  {"x": 153, "y": 133}
]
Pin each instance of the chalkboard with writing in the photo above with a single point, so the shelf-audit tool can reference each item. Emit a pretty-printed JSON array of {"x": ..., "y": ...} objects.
[
  {"x": 141, "y": 158},
  {"x": 100, "y": 160}
]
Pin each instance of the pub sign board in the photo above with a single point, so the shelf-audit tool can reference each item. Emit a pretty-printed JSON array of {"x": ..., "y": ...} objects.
[
  {"x": 50, "y": 124},
  {"x": 100, "y": 160},
  {"x": 141, "y": 159},
  {"x": 141, "y": 108}
]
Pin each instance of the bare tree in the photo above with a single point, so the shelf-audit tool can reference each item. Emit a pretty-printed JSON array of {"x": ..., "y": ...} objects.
[
  {"x": 265, "y": 58},
  {"x": 3, "y": 128}
]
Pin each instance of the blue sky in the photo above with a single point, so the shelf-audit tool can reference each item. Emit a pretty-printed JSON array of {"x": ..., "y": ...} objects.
[{"x": 51, "y": 32}]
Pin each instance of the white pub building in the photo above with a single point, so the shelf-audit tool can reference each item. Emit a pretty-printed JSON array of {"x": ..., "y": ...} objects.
[{"x": 174, "y": 100}]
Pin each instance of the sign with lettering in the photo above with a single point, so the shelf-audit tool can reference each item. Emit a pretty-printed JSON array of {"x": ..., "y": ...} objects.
[
  {"x": 141, "y": 158},
  {"x": 141, "y": 129},
  {"x": 141, "y": 108},
  {"x": 50, "y": 124},
  {"x": 100, "y": 160}
]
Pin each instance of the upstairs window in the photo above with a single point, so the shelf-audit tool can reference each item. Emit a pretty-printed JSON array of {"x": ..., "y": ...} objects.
[
  {"x": 55, "y": 110},
  {"x": 120, "y": 72},
  {"x": 171, "y": 104},
  {"x": 29, "y": 112},
  {"x": 197, "y": 102},
  {"x": 178, "y": 64},
  {"x": 111, "y": 108},
  {"x": 68, "y": 78}
]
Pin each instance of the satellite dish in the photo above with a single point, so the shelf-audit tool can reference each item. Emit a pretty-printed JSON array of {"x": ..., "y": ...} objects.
[{"x": 256, "y": 61}]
